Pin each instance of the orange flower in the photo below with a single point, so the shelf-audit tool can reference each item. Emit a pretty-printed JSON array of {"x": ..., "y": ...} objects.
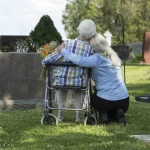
[{"x": 47, "y": 49}]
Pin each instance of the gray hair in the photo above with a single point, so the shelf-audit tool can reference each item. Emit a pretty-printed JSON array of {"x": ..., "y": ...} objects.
[
  {"x": 87, "y": 29},
  {"x": 100, "y": 45}
]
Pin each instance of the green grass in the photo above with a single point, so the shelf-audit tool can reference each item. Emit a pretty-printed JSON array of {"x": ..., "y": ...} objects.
[
  {"x": 21, "y": 130},
  {"x": 138, "y": 79}
]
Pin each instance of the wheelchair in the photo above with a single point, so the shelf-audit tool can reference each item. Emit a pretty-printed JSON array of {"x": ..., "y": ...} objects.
[{"x": 50, "y": 100}]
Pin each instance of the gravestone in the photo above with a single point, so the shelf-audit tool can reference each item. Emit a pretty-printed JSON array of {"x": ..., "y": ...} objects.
[{"x": 146, "y": 48}]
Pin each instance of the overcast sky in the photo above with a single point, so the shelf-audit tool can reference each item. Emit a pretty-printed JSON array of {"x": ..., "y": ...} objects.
[{"x": 19, "y": 17}]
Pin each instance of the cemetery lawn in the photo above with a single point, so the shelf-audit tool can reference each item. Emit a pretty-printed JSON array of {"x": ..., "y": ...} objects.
[{"x": 21, "y": 129}]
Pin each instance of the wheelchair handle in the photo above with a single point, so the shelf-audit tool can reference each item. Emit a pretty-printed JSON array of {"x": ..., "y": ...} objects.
[{"x": 60, "y": 64}]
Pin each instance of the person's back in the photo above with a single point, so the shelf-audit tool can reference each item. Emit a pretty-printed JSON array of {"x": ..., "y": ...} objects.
[
  {"x": 73, "y": 76},
  {"x": 108, "y": 79}
]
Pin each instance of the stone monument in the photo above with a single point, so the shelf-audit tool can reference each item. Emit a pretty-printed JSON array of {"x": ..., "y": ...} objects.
[{"x": 146, "y": 48}]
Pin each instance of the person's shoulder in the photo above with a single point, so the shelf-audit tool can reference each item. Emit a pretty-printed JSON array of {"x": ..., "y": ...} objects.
[
  {"x": 96, "y": 56},
  {"x": 67, "y": 40},
  {"x": 83, "y": 42},
  {"x": 76, "y": 42},
  {"x": 99, "y": 57},
  {"x": 71, "y": 41}
]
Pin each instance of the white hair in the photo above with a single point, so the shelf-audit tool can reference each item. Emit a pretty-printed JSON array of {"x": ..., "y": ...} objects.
[
  {"x": 87, "y": 29},
  {"x": 100, "y": 45}
]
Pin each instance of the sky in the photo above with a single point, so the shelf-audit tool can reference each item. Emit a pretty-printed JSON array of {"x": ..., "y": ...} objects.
[{"x": 19, "y": 17}]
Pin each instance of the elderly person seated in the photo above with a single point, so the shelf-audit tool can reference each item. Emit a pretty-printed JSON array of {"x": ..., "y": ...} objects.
[{"x": 73, "y": 76}]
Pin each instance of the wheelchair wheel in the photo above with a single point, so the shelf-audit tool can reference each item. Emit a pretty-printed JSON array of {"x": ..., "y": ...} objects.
[
  {"x": 49, "y": 119},
  {"x": 90, "y": 120}
]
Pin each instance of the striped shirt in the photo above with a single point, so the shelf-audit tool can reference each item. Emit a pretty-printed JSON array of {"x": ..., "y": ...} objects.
[{"x": 70, "y": 76}]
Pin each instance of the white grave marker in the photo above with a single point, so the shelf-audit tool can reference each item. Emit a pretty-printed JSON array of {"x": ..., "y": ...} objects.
[{"x": 108, "y": 36}]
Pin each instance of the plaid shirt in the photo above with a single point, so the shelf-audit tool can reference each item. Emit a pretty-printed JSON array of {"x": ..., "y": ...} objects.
[{"x": 70, "y": 76}]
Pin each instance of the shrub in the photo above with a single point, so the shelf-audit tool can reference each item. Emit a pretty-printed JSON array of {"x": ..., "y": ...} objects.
[
  {"x": 45, "y": 32},
  {"x": 137, "y": 59},
  {"x": 5, "y": 49}
]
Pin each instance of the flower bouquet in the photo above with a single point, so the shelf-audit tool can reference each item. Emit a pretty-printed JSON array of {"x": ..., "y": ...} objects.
[
  {"x": 44, "y": 51},
  {"x": 48, "y": 49}
]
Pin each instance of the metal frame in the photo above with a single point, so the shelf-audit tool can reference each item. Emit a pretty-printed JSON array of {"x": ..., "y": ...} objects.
[
  {"x": 116, "y": 22},
  {"x": 49, "y": 87}
]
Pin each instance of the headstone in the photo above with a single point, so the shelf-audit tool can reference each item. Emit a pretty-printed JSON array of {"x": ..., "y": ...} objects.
[
  {"x": 108, "y": 36},
  {"x": 146, "y": 48}
]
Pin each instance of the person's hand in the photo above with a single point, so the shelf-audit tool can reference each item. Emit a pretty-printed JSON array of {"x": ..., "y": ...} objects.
[{"x": 60, "y": 47}]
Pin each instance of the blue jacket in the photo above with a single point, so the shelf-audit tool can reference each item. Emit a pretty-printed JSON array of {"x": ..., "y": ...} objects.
[{"x": 108, "y": 79}]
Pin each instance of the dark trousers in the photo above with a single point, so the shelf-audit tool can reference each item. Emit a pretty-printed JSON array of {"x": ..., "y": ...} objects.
[{"x": 102, "y": 105}]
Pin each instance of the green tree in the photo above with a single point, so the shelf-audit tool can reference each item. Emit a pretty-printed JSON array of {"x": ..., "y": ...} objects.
[
  {"x": 142, "y": 19},
  {"x": 136, "y": 16},
  {"x": 78, "y": 10},
  {"x": 45, "y": 31}
]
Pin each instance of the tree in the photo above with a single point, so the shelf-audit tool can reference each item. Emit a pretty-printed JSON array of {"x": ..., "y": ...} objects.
[
  {"x": 76, "y": 11},
  {"x": 136, "y": 16},
  {"x": 102, "y": 12},
  {"x": 142, "y": 19},
  {"x": 45, "y": 31}
]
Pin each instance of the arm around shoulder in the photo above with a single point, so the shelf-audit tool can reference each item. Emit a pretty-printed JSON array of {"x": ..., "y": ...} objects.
[{"x": 91, "y": 61}]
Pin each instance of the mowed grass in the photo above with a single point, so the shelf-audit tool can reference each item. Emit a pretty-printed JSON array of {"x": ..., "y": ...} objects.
[
  {"x": 138, "y": 79},
  {"x": 21, "y": 130}
]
